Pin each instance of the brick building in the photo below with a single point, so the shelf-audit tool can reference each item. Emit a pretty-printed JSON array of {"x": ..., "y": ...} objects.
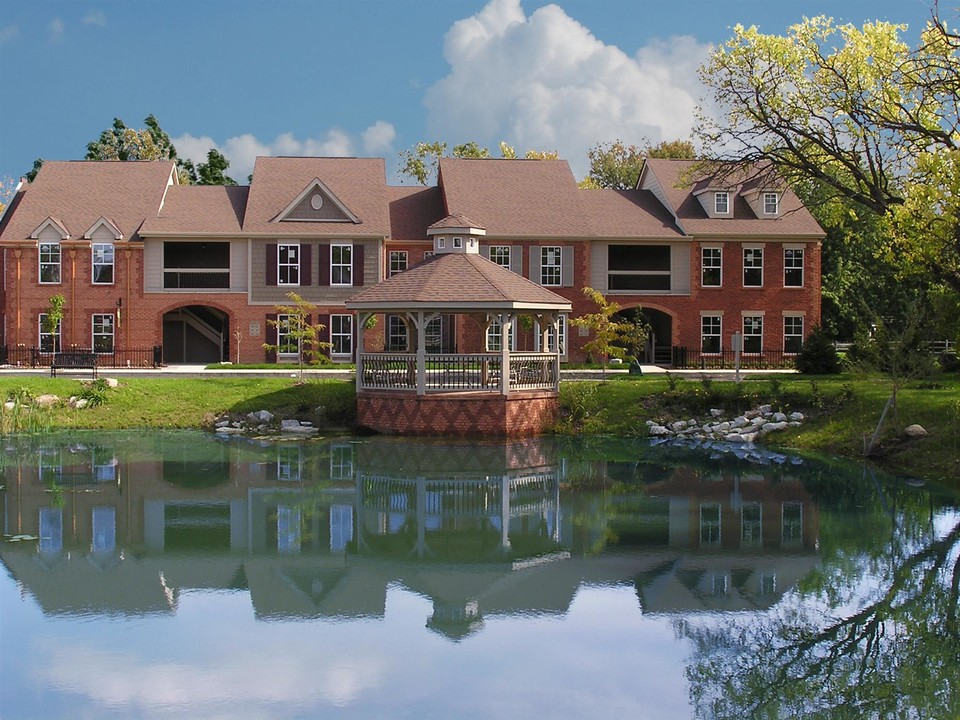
[{"x": 143, "y": 262}]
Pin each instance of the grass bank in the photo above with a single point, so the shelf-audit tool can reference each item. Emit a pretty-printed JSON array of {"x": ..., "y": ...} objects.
[{"x": 841, "y": 410}]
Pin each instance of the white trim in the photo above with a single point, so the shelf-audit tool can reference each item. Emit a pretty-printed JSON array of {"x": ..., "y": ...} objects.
[
  {"x": 51, "y": 222},
  {"x": 109, "y": 225},
  {"x": 312, "y": 186}
]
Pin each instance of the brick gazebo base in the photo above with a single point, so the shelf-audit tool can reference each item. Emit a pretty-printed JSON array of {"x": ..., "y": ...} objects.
[{"x": 458, "y": 414}]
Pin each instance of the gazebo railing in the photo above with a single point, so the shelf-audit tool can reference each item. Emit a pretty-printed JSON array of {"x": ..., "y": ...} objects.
[{"x": 452, "y": 373}]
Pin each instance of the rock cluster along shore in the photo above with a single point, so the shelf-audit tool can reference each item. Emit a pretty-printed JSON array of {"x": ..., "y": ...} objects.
[
  {"x": 749, "y": 427},
  {"x": 263, "y": 422}
]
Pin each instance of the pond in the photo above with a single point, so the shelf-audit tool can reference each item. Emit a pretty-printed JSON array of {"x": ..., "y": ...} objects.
[{"x": 178, "y": 574}]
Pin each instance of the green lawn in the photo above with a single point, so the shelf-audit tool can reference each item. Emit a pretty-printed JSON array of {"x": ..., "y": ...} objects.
[{"x": 842, "y": 410}]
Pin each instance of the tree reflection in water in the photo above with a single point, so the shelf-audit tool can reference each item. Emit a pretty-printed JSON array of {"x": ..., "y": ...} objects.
[{"x": 872, "y": 634}]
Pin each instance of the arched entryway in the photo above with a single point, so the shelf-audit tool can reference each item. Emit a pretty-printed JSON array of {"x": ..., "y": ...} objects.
[
  {"x": 659, "y": 348},
  {"x": 196, "y": 334}
]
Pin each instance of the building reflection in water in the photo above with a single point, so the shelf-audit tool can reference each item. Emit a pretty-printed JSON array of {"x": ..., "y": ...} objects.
[{"x": 321, "y": 530}]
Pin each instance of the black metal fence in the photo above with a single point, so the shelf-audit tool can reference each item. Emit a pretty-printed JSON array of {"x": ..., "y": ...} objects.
[{"x": 32, "y": 357}]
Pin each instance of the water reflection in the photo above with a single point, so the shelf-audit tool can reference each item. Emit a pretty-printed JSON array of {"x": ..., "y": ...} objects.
[{"x": 795, "y": 574}]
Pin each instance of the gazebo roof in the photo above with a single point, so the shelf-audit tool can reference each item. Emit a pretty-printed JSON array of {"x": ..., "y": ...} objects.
[{"x": 458, "y": 282}]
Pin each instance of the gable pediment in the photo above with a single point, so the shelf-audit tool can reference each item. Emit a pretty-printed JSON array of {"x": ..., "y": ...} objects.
[
  {"x": 49, "y": 228},
  {"x": 103, "y": 229},
  {"x": 317, "y": 203}
]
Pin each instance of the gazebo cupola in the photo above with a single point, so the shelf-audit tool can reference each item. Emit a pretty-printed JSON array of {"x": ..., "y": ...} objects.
[{"x": 479, "y": 384}]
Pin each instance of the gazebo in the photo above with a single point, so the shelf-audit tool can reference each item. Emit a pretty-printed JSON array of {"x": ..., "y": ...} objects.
[{"x": 448, "y": 365}]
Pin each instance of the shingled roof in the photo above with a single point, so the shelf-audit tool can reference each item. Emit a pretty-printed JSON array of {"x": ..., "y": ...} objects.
[
  {"x": 453, "y": 282},
  {"x": 200, "y": 210},
  {"x": 80, "y": 193}
]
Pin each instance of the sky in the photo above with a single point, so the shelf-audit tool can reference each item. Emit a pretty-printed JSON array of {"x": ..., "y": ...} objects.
[{"x": 370, "y": 78}]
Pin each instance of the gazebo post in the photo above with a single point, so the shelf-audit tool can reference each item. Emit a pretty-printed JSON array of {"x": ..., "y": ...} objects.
[
  {"x": 421, "y": 322},
  {"x": 506, "y": 330}
]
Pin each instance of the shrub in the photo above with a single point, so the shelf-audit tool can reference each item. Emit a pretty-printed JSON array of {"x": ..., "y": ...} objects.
[{"x": 818, "y": 356}]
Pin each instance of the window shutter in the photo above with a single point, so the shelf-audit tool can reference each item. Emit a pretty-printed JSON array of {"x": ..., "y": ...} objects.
[
  {"x": 566, "y": 270},
  {"x": 485, "y": 251},
  {"x": 271, "y": 264},
  {"x": 358, "y": 264},
  {"x": 306, "y": 277},
  {"x": 271, "y": 335},
  {"x": 324, "y": 335},
  {"x": 534, "y": 266},
  {"x": 516, "y": 259},
  {"x": 324, "y": 277}
]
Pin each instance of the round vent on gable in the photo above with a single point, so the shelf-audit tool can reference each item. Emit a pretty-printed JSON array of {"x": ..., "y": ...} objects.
[{"x": 316, "y": 202}]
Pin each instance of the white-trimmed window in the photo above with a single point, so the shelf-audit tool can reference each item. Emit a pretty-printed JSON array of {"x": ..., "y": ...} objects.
[
  {"x": 441, "y": 243},
  {"x": 103, "y": 324},
  {"x": 792, "y": 333},
  {"x": 48, "y": 342},
  {"x": 341, "y": 264},
  {"x": 495, "y": 336},
  {"x": 102, "y": 256},
  {"x": 551, "y": 266},
  {"x": 398, "y": 262},
  {"x": 396, "y": 334},
  {"x": 458, "y": 242},
  {"x": 288, "y": 264},
  {"x": 50, "y": 263},
  {"x": 711, "y": 267},
  {"x": 710, "y": 330},
  {"x": 753, "y": 333},
  {"x": 771, "y": 203},
  {"x": 287, "y": 344},
  {"x": 289, "y": 462},
  {"x": 341, "y": 462},
  {"x": 341, "y": 335},
  {"x": 753, "y": 267},
  {"x": 500, "y": 254},
  {"x": 721, "y": 202},
  {"x": 710, "y": 524},
  {"x": 793, "y": 267}
]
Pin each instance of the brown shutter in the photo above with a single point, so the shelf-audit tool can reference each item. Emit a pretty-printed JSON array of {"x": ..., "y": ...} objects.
[
  {"x": 324, "y": 276},
  {"x": 566, "y": 269},
  {"x": 324, "y": 335},
  {"x": 358, "y": 265},
  {"x": 271, "y": 335},
  {"x": 271, "y": 264},
  {"x": 306, "y": 276}
]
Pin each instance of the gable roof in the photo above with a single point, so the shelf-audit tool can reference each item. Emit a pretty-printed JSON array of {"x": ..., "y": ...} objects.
[
  {"x": 454, "y": 281},
  {"x": 80, "y": 193},
  {"x": 199, "y": 210},
  {"x": 358, "y": 184},
  {"x": 671, "y": 176},
  {"x": 515, "y": 198},
  {"x": 412, "y": 210}
]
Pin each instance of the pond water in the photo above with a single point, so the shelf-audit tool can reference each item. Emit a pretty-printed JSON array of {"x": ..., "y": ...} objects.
[{"x": 177, "y": 574}]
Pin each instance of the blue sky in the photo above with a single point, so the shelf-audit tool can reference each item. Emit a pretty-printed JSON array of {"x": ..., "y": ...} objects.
[{"x": 371, "y": 77}]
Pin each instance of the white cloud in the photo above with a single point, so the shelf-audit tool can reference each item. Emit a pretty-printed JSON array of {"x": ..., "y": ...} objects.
[
  {"x": 56, "y": 29},
  {"x": 243, "y": 150},
  {"x": 95, "y": 17},
  {"x": 546, "y": 82},
  {"x": 8, "y": 33}
]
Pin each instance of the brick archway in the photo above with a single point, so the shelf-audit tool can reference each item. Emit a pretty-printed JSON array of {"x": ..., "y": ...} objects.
[{"x": 196, "y": 334}]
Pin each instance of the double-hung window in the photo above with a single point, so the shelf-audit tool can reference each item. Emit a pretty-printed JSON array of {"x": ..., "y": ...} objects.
[
  {"x": 721, "y": 203},
  {"x": 102, "y": 259},
  {"x": 710, "y": 327},
  {"x": 396, "y": 334},
  {"x": 49, "y": 341},
  {"x": 341, "y": 264},
  {"x": 341, "y": 335},
  {"x": 771, "y": 203},
  {"x": 753, "y": 267},
  {"x": 500, "y": 254},
  {"x": 398, "y": 262},
  {"x": 49, "y": 263},
  {"x": 288, "y": 264},
  {"x": 103, "y": 332},
  {"x": 551, "y": 266},
  {"x": 711, "y": 263},
  {"x": 792, "y": 333},
  {"x": 287, "y": 342},
  {"x": 793, "y": 267},
  {"x": 752, "y": 333}
]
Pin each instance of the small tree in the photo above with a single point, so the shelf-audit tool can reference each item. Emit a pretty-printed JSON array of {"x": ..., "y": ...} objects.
[
  {"x": 606, "y": 330},
  {"x": 818, "y": 356},
  {"x": 52, "y": 318},
  {"x": 297, "y": 332}
]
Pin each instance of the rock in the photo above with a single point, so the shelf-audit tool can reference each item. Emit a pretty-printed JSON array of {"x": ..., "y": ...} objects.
[
  {"x": 264, "y": 415},
  {"x": 78, "y": 403},
  {"x": 779, "y": 417},
  {"x": 9, "y": 405},
  {"x": 773, "y": 426},
  {"x": 765, "y": 409},
  {"x": 916, "y": 431},
  {"x": 226, "y": 430},
  {"x": 289, "y": 424},
  {"x": 650, "y": 423},
  {"x": 715, "y": 412},
  {"x": 46, "y": 400},
  {"x": 739, "y": 422},
  {"x": 299, "y": 430},
  {"x": 222, "y": 423},
  {"x": 678, "y": 426},
  {"x": 723, "y": 427},
  {"x": 111, "y": 382},
  {"x": 692, "y": 423},
  {"x": 797, "y": 416},
  {"x": 659, "y": 430},
  {"x": 735, "y": 438}
]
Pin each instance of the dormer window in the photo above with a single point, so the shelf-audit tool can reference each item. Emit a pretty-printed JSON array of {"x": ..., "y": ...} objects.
[
  {"x": 771, "y": 203},
  {"x": 721, "y": 203}
]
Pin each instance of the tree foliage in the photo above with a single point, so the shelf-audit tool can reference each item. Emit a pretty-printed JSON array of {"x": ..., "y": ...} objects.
[
  {"x": 612, "y": 336},
  {"x": 857, "y": 110},
  {"x": 617, "y": 165},
  {"x": 212, "y": 172},
  {"x": 422, "y": 160},
  {"x": 299, "y": 331}
]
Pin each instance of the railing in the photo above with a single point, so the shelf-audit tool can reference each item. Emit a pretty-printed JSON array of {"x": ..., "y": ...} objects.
[
  {"x": 196, "y": 279},
  {"x": 726, "y": 359},
  {"x": 447, "y": 373},
  {"x": 33, "y": 357}
]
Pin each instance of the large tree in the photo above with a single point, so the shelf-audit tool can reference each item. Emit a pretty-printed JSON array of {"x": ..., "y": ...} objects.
[
  {"x": 211, "y": 172},
  {"x": 858, "y": 111},
  {"x": 422, "y": 160}
]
